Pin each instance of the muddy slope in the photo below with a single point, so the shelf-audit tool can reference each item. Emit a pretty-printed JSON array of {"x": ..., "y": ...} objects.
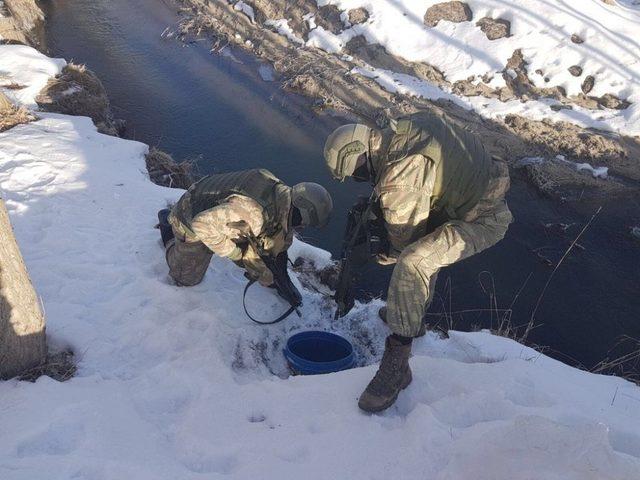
[{"x": 326, "y": 78}]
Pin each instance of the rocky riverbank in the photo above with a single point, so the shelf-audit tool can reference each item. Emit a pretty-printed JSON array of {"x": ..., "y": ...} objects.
[{"x": 328, "y": 78}]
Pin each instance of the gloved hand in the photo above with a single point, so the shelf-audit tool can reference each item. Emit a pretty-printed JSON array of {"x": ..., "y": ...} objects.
[
  {"x": 238, "y": 253},
  {"x": 385, "y": 259}
]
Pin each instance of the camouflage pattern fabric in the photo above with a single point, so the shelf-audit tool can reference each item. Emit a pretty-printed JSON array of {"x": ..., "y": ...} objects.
[
  {"x": 404, "y": 190},
  {"x": 221, "y": 230},
  {"x": 188, "y": 261},
  {"x": 406, "y": 210}
]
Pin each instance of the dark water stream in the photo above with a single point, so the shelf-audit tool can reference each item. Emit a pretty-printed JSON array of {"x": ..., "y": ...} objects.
[{"x": 220, "y": 110}]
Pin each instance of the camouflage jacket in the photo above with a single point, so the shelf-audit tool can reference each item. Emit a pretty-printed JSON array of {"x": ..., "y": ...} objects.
[
  {"x": 222, "y": 229},
  {"x": 414, "y": 194}
]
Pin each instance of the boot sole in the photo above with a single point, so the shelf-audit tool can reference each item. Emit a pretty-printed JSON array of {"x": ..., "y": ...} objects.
[{"x": 404, "y": 385}]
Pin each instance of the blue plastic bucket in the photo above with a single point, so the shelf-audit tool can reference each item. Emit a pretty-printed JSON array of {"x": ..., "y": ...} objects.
[{"x": 314, "y": 352}]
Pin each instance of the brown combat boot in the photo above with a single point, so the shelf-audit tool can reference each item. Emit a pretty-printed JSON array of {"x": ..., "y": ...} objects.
[
  {"x": 393, "y": 376},
  {"x": 382, "y": 313}
]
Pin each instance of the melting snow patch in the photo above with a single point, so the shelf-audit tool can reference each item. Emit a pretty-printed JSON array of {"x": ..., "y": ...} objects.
[
  {"x": 246, "y": 9},
  {"x": 523, "y": 162},
  {"x": 325, "y": 40},
  {"x": 310, "y": 18},
  {"x": 283, "y": 28},
  {"x": 596, "y": 172}
]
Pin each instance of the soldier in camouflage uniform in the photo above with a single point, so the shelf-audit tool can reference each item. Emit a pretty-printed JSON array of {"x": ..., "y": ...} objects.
[
  {"x": 442, "y": 200},
  {"x": 217, "y": 213}
]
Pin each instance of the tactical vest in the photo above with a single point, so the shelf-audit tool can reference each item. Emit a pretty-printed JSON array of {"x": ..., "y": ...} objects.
[
  {"x": 462, "y": 165},
  {"x": 258, "y": 184}
]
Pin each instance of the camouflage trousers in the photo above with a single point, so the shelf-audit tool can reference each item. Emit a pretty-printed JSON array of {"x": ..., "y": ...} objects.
[
  {"x": 188, "y": 261},
  {"x": 414, "y": 276}
]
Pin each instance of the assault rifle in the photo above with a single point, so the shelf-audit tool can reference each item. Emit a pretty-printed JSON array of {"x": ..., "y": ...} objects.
[
  {"x": 364, "y": 237},
  {"x": 281, "y": 281}
]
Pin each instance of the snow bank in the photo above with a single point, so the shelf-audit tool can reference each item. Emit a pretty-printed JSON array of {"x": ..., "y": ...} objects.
[
  {"x": 176, "y": 383},
  {"x": 26, "y": 67},
  {"x": 611, "y": 120},
  {"x": 542, "y": 29}
]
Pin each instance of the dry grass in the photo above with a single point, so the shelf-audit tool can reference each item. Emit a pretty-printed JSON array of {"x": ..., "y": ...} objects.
[
  {"x": 78, "y": 91},
  {"x": 60, "y": 366},
  {"x": 625, "y": 365},
  {"x": 13, "y": 86},
  {"x": 164, "y": 170},
  {"x": 12, "y": 116},
  {"x": 21, "y": 23}
]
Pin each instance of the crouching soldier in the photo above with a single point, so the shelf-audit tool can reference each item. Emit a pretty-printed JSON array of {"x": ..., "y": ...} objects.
[
  {"x": 219, "y": 213},
  {"x": 442, "y": 200}
]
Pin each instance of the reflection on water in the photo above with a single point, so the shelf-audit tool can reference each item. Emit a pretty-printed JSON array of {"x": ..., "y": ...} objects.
[{"x": 193, "y": 104}]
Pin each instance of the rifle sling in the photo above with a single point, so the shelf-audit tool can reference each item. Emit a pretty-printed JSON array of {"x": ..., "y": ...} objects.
[{"x": 277, "y": 320}]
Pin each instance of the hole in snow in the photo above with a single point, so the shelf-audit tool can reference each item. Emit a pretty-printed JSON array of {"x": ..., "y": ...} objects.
[{"x": 258, "y": 349}]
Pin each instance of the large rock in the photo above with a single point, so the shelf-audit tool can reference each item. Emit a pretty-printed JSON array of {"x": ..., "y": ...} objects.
[
  {"x": 575, "y": 70},
  {"x": 329, "y": 18},
  {"x": 609, "y": 100},
  {"x": 575, "y": 38},
  {"x": 495, "y": 28},
  {"x": 588, "y": 84},
  {"x": 358, "y": 16},
  {"x": 450, "y": 11}
]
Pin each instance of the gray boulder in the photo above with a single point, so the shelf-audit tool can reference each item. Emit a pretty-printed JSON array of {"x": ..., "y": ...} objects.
[
  {"x": 450, "y": 11},
  {"x": 575, "y": 38},
  {"x": 588, "y": 84},
  {"x": 495, "y": 28},
  {"x": 575, "y": 70},
  {"x": 358, "y": 16}
]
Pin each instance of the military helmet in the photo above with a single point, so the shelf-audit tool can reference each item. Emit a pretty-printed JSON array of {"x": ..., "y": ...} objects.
[
  {"x": 314, "y": 203},
  {"x": 344, "y": 146}
]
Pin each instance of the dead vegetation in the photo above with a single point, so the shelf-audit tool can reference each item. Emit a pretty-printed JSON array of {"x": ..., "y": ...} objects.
[
  {"x": 23, "y": 24},
  {"x": 11, "y": 115},
  {"x": 78, "y": 91},
  {"x": 164, "y": 170},
  {"x": 60, "y": 366},
  {"x": 625, "y": 365}
]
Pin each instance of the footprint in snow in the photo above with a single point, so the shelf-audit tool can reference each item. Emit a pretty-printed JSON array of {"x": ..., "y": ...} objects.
[{"x": 59, "y": 438}]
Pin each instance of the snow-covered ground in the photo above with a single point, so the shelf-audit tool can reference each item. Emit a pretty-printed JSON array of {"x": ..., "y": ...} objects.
[
  {"x": 542, "y": 29},
  {"x": 28, "y": 71},
  {"x": 176, "y": 383}
]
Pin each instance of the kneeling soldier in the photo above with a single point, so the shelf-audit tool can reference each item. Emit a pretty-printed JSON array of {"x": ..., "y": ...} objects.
[
  {"x": 219, "y": 212},
  {"x": 442, "y": 200}
]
